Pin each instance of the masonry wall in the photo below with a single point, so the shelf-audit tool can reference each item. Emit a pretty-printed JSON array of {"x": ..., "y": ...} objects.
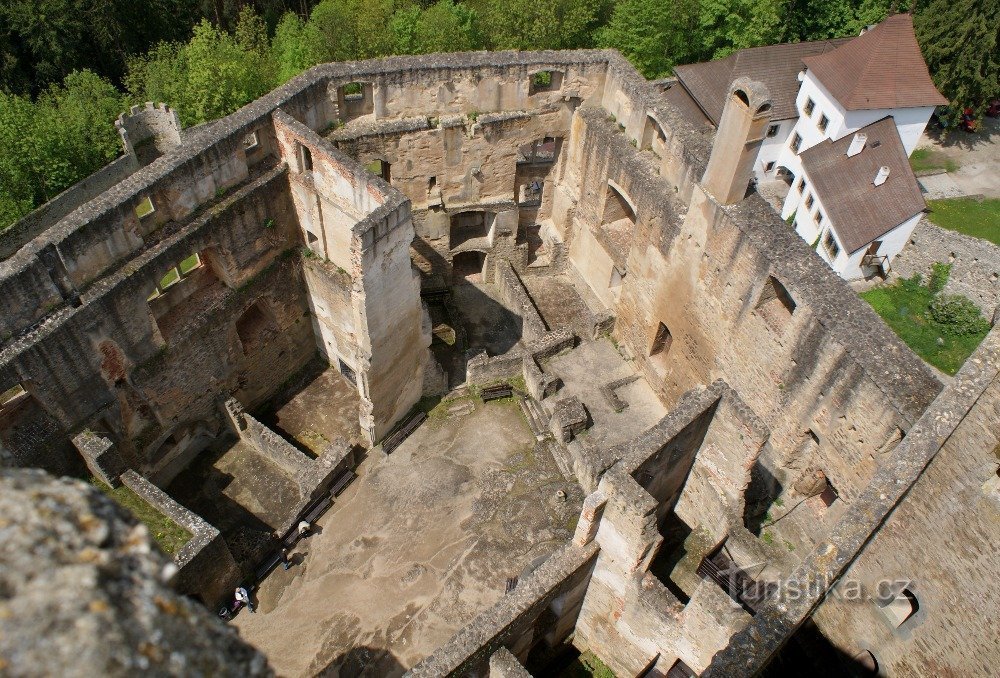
[
  {"x": 829, "y": 366},
  {"x": 940, "y": 543}
]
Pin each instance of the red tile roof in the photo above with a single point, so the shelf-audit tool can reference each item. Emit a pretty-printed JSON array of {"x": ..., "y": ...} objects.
[
  {"x": 859, "y": 211},
  {"x": 777, "y": 66},
  {"x": 883, "y": 68}
]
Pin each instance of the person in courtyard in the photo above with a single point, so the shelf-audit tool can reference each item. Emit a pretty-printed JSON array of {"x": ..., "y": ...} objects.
[
  {"x": 242, "y": 596},
  {"x": 304, "y": 529},
  {"x": 286, "y": 561}
]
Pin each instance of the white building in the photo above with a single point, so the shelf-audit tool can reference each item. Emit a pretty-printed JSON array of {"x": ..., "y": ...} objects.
[{"x": 877, "y": 85}]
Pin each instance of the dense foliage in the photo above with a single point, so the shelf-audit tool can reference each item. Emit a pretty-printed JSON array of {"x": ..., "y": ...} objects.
[{"x": 64, "y": 63}]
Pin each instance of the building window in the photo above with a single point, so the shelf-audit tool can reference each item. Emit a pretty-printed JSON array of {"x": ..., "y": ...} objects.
[
  {"x": 830, "y": 243},
  {"x": 144, "y": 208},
  {"x": 305, "y": 158},
  {"x": 809, "y": 202},
  {"x": 769, "y": 166},
  {"x": 900, "y": 607},
  {"x": 810, "y": 107},
  {"x": 796, "y": 142},
  {"x": 176, "y": 274},
  {"x": 545, "y": 81},
  {"x": 662, "y": 341},
  {"x": 772, "y": 131},
  {"x": 802, "y": 185},
  {"x": 823, "y": 123},
  {"x": 250, "y": 141},
  {"x": 819, "y": 217},
  {"x": 774, "y": 304}
]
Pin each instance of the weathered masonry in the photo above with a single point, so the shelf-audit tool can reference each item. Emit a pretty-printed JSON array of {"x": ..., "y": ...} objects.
[{"x": 149, "y": 313}]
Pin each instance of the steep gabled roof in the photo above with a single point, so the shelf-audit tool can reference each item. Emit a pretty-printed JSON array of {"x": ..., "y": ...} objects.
[
  {"x": 883, "y": 68},
  {"x": 777, "y": 66},
  {"x": 859, "y": 210}
]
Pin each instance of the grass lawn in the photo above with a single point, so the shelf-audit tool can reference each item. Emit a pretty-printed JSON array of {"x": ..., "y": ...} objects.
[
  {"x": 905, "y": 308},
  {"x": 166, "y": 533},
  {"x": 978, "y": 218},
  {"x": 929, "y": 159},
  {"x": 587, "y": 665}
]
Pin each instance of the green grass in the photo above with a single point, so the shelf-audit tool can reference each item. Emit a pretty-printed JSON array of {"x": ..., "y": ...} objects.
[
  {"x": 978, "y": 218},
  {"x": 587, "y": 665},
  {"x": 905, "y": 307},
  {"x": 929, "y": 159},
  {"x": 166, "y": 533},
  {"x": 189, "y": 264}
]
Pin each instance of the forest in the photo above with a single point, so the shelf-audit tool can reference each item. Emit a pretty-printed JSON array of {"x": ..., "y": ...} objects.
[{"x": 69, "y": 67}]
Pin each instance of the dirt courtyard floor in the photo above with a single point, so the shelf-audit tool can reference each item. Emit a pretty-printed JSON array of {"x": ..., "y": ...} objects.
[{"x": 422, "y": 542}]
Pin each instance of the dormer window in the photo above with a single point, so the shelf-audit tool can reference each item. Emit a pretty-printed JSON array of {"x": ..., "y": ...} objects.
[
  {"x": 796, "y": 142},
  {"x": 809, "y": 107},
  {"x": 823, "y": 123}
]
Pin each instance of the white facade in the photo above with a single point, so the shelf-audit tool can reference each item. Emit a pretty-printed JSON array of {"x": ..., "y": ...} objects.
[{"x": 771, "y": 148}]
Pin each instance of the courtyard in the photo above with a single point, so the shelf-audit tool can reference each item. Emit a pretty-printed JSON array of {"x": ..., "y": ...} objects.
[{"x": 424, "y": 540}]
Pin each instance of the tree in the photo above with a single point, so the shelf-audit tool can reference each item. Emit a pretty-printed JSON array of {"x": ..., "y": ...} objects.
[
  {"x": 540, "y": 24},
  {"x": 49, "y": 144},
  {"x": 446, "y": 27},
  {"x": 654, "y": 35},
  {"x": 211, "y": 76},
  {"x": 290, "y": 49},
  {"x": 731, "y": 25},
  {"x": 959, "y": 40},
  {"x": 42, "y": 41},
  {"x": 332, "y": 33}
]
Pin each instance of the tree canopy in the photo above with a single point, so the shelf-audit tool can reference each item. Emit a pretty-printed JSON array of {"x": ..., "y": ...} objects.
[{"x": 68, "y": 67}]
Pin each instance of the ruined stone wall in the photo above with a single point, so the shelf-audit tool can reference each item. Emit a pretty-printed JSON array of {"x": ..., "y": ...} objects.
[
  {"x": 941, "y": 544},
  {"x": 150, "y": 369},
  {"x": 828, "y": 365},
  {"x": 694, "y": 463},
  {"x": 454, "y": 164},
  {"x": 544, "y": 604},
  {"x": 928, "y": 519}
]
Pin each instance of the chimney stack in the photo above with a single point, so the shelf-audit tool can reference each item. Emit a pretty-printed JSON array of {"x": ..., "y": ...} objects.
[
  {"x": 857, "y": 144},
  {"x": 883, "y": 174},
  {"x": 741, "y": 131}
]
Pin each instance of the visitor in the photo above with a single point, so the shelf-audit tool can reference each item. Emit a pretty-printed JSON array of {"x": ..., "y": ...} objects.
[
  {"x": 243, "y": 598},
  {"x": 304, "y": 528},
  {"x": 285, "y": 560}
]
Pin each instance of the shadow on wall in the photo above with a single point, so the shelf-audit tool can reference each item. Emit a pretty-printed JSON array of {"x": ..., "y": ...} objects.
[
  {"x": 363, "y": 661},
  {"x": 809, "y": 652},
  {"x": 763, "y": 490}
]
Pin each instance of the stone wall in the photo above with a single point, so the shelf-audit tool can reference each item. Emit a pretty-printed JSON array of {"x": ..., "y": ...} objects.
[
  {"x": 85, "y": 592},
  {"x": 545, "y": 603},
  {"x": 828, "y": 368},
  {"x": 694, "y": 464},
  {"x": 940, "y": 480},
  {"x": 47, "y": 215},
  {"x": 975, "y": 263},
  {"x": 205, "y": 567}
]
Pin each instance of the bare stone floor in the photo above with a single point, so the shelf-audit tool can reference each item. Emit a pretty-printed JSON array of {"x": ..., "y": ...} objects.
[
  {"x": 322, "y": 409},
  {"x": 577, "y": 369},
  {"x": 424, "y": 540}
]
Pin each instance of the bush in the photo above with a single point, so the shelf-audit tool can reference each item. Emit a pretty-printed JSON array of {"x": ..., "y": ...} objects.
[
  {"x": 939, "y": 277},
  {"x": 958, "y": 315}
]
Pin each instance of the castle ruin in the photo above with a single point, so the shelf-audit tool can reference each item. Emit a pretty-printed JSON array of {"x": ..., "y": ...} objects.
[{"x": 716, "y": 405}]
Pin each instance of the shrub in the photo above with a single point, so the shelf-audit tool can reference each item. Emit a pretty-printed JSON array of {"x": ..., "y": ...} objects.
[
  {"x": 958, "y": 315},
  {"x": 939, "y": 277}
]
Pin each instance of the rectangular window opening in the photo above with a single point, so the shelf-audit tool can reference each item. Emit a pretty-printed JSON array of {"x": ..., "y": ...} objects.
[
  {"x": 796, "y": 142},
  {"x": 824, "y": 122},
  {"x": 305, "y": 158},
  {"x": 250, "y": 141},
  {"x": 144, "y": 208},
  {"x": 810, "y": 107},
  {"x": 772, "y": 131}
]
